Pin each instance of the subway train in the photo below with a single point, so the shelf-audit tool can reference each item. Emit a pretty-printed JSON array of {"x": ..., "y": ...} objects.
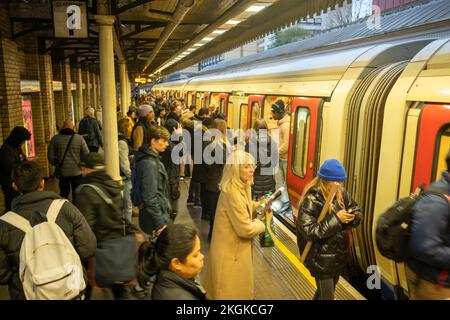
[{"x": 382, "y": 108}]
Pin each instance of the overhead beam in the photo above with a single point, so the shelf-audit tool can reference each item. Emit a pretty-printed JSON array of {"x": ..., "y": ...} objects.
[
  {"x": 279, "y": 14},
  {"x": 183, "y": 7},
  {"x": 229, "y": 14},
  {"x": 139, "y": 30},
  {"x": 118, "y": 10}
]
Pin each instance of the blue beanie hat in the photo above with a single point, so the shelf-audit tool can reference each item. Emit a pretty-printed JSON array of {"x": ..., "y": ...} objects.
[{"x": 332, "y": 170}]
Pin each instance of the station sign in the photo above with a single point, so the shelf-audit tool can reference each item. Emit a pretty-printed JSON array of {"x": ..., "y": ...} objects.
[{"x": 70, "y": 19}]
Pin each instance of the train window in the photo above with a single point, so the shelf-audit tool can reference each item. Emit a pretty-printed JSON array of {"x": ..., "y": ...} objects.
[
  {"x": 230, "y": 114},
  {"x": 441, "y": 151},
  {"x": 301, "y": 139},
  {"x": 243, "y": 117},
  {"x": 256, "y": 112}
]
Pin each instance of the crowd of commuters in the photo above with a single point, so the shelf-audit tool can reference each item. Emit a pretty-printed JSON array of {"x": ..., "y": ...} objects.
[{"x": 158, "y": 148}]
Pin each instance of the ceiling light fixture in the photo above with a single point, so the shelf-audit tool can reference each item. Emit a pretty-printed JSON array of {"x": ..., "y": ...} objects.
[
  {"x": 255, "y": 8},
  {"x": 233, "y": 22}
]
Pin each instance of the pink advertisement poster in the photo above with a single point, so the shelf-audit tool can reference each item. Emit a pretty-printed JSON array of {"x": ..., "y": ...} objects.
[{"x": 28, "y": 123}]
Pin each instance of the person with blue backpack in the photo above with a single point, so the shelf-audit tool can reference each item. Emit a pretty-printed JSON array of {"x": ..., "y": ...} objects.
[{"x": 150, "y": 182}]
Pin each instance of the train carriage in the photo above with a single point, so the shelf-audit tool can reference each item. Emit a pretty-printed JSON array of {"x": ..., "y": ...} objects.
[{"x": 382, "y": 108}]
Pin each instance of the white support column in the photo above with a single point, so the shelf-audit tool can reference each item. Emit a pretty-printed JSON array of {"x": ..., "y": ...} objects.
[
  {"x": 108, "y": 95},
  {"x": 94, "y": 91},
  {"x": 128, "y": 92},
  {"x": 123, "y": 87}
]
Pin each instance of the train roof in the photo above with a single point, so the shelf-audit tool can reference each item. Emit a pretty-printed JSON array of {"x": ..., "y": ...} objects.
[{"x": 420, "y": 14}]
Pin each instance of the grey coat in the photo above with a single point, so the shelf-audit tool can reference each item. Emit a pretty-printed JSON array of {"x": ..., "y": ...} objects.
[{"x": 78, "y": 148}]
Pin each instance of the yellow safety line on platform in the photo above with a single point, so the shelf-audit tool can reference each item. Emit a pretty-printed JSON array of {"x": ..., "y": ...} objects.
[{"x": 294, "y": 260}]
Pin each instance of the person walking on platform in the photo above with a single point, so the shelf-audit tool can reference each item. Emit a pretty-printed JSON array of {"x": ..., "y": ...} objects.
[
  {"x": 126, "y": 162},
  {"x": 139, "y": 136},
  {"x": 261, "y": 143},
  {"x": 32, "y": 204},
  {"x": 330, "y": 237},
  {"x": 152, "y": 183},
  {"x": 99, "y": 198},
  {"x": 64, "y": 152},
  {"x": 177, "y": 260},
  {"x": 229, "y": 273},
  {"x": 89, "y": 129},
  {"x": 279, "y": 113},
  {"x": 172, "y": 168},
  {"x": 219, "y": 149},
  {"x": 11, "y": 155},
  {"x": 428, "y": 267},
  {"x": 131, "y": 116}
]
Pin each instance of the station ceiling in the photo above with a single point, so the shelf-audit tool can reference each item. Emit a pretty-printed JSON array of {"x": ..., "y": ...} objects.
[{"x": 163, "y": 35}]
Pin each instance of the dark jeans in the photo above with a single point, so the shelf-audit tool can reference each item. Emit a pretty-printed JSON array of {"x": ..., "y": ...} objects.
[
  {"x": 213, "y": 198},
  {"x": 66, "y": 182},
  {"x": 206, "y": 209},
  {"x": 194, "y": 191},
  {"x": 93, "y": 149},
  {"x": 325, "y": 288}
]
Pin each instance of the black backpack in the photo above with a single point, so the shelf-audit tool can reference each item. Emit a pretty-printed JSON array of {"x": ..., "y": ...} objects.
[{"x": 393, "y": 230}]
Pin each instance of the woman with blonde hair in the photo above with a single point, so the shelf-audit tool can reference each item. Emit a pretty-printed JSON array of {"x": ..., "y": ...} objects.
[
  {"x": 229, "y": 274},
  {"x": 330, "y": 237}
]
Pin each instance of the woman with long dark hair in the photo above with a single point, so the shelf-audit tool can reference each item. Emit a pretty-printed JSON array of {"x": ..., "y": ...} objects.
[{"x": 176, "y": 260}]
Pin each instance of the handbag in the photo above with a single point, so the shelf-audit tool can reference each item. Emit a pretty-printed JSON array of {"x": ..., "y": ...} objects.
[
  {"x": 115, "y": 259},
  {"x": 59, "y": 165}
]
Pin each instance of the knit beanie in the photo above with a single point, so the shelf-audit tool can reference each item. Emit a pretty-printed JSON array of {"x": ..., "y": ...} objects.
[
  {"x": 332, "y": 170},
  {"x": 278, "y": 107}
]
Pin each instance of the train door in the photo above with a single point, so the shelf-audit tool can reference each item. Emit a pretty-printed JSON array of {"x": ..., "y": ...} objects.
[
  {"x": 433, "y": 143},
  {"x": 303, "y": 146},
  {"x": 205, "y": 100},
  {"x": 223, "y": 103},
  {"x": 198, "y": 101},
  {"x": 243, "y": 115},
  {"x": 255, "y": 102}
]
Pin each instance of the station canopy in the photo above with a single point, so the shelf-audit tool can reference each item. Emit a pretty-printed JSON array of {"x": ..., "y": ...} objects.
[{"x": 163, "y": 36}]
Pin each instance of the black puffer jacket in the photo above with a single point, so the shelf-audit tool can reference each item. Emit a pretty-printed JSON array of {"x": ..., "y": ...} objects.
[
  {"x": 261, "y": 147},
  {"x": 329, "y": 253},
  {"x": 105, "y": 220},
  {"x": 69, "y": 219},
  {"x": 170, "y": 286},
  {"x": 219, "y": 152}
]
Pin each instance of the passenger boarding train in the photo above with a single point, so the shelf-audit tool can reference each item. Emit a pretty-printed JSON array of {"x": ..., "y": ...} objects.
[{"x": 382, "y": 108}]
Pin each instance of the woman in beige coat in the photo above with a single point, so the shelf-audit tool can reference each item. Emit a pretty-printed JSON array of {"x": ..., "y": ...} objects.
[{"x": 229, "y": 273}]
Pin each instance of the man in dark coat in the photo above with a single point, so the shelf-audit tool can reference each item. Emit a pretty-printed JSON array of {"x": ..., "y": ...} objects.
[
  {"x": 28, "y": 180},
  {"x": 428, "y": 267},
  {"x": 89, "y": 128},
  {"x": 11, "y": 155},
  {"x": 70, "y": 164},
  {"x": 106, "y": 221}
]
